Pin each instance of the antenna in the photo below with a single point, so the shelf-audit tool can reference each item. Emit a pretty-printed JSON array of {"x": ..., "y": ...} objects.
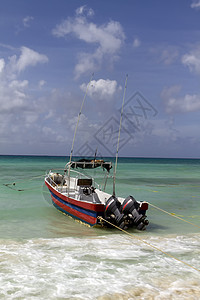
[
  {"x": 79, "y": 115},
  {"x": 120, "y": 125}
]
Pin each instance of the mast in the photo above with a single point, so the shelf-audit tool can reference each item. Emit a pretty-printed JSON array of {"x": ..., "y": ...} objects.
[
  {"x": 72, "y": 149},
  {"x": 79, "y": 115},
  {"x": 120, "y": 125}
]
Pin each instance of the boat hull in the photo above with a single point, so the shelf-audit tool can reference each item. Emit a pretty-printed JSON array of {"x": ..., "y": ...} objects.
[{"x": 83, "y": 211}]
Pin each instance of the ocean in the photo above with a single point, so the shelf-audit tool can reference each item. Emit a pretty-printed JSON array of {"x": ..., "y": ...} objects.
[{"x": 47, "y": 255}]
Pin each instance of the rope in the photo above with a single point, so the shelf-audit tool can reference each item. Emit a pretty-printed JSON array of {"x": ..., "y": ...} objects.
[
  {"x": 150, "y": 245},
  {"x": 13, "y": 184},
  {"x": 173, "y": 215},
  {"x": 22, "y": 190}
]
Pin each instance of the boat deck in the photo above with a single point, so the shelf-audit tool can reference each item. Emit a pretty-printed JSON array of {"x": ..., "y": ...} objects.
[
  {"x": 81, "y": 192},
  {"x": 95, "y": 197}
]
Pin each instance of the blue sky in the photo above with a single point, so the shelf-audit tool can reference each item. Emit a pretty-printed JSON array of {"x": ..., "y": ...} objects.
[{"x": 48, "y": 52}]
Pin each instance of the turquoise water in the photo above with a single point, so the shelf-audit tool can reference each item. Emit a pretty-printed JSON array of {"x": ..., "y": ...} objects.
[{"x": 46, "y": 255}]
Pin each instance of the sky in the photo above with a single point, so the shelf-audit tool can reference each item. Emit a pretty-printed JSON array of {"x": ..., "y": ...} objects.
[{"x": 70, "y": 62}]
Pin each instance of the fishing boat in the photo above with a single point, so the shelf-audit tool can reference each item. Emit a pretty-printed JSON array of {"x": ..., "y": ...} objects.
[{"x": 78, "y": 195}]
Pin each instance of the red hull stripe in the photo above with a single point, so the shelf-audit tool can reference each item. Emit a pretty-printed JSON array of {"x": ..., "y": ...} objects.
[
  {"x": 73, "y": 212},
  {"x": 79, "y": 209},
  {"x": 85, "y": 205}
]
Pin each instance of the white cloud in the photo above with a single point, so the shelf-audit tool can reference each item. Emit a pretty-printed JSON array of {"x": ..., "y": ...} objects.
[
  {"x": 165, "y": 130},
  {"x": 84, "y": 10},
  {"x": 27, "y": 20},
  {"x": 87, "y": 62},
  {"x": 165, "y": 54},
  {"x": 28, "y": 58},
  {"x": 195, "y": 4},
  {"x": 2, "y": 65},
  {"x": 13, "y": 92},
  {"x": 48, "y": 131},
  {"x": 177, "y": 104},
  {"x": 169, "y": 55},
  {"x": 192, "y": 60},
  {"x": 18, "y": 84},
  {"x": 23, "y": 114},
  {"x": 7, "y": 46},
  {"x": 188, "y": 103},
  {"x": 41, "y": 83},
  {"x": 30, "y": 117},
  {"x": 169, "y": 91},
  {"x": 107, "y": 38},
  {"x": 101, "y": 89},
  {"x": 136, "y": 43}
]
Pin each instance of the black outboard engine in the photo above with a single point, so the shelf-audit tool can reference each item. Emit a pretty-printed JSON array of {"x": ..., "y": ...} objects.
[
  {"x": 134, "y": 212},
  {"x": 112, "y": 212}
]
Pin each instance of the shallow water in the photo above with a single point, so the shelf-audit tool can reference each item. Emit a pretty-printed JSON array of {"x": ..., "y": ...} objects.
[{"x": 46, "y": 255}]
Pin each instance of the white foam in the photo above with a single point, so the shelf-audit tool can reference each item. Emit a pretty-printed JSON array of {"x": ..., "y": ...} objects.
[{"x": 99, "y": 268}]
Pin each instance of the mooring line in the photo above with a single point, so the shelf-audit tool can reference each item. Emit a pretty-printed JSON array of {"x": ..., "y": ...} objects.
[
  {"x": 173, "y": 215},
  {"x": 23, "y": 190},
  {"x": 12, "y": 185},
  {"x": 150, "y": 245},
  {"x": 168, "y": 185},
  {"x": 20, "y": 180}
]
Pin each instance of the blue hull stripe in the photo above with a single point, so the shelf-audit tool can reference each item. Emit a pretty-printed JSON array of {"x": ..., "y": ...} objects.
[
  {"x": 75, "y": 217},
  {"x": 81, "y": 210}
]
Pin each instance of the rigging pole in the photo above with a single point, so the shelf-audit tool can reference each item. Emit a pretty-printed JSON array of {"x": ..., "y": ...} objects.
[
  {"x": 120, "y": 125},
  {"x": 79, "y": 115}
]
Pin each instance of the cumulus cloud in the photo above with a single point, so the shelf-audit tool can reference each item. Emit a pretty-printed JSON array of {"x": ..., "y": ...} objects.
[
  {"x": 27, "y": 58},
  {"x": 192, "y": 60},
  {"x": 2, "y": 64},
  {"x": 177, "y": 104},
  {"x": 106, "y": 38},
  {"x": 31, "y": 120},
  {"x": 101, "y": 89},
  {"x": 13, "y": 93},
  {"x": 17, "y": 108},
  {"x": 195, "y": 4},
  {"x": 87, "y": 62}
]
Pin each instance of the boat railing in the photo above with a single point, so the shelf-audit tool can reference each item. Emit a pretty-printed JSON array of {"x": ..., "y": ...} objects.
[
  {"x": 51, "y": 181},
  {"x": 70, "y": 185},
  {"x": 80, "y": 175}
]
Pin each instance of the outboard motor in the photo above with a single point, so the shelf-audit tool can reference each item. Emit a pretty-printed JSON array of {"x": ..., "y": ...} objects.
[
  {"x": 112, "y": 212},
  {"x": 135, "y": 213}
]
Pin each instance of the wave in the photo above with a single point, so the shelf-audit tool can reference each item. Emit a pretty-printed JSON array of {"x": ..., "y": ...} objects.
[{"x": 103, "y": 267}]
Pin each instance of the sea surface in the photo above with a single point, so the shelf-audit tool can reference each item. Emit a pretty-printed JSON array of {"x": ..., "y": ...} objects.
[{"x": 47, "y": 255}]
